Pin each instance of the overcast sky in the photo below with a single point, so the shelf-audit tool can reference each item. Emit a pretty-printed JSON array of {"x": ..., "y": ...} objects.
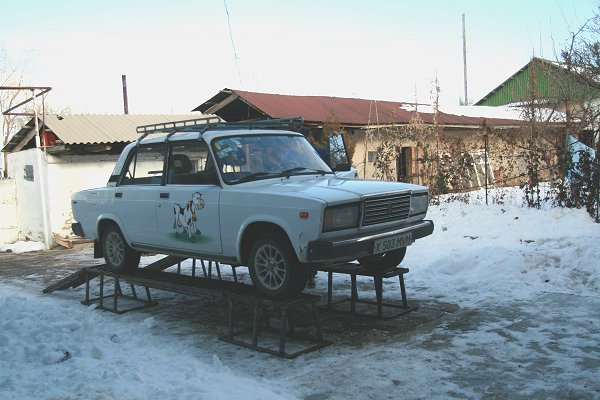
[{"x": 179, "y": 53}]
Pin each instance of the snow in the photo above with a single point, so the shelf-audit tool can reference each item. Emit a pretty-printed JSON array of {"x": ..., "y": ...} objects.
[
  {"x": 523, "y": 286},
  {"x": 21, "y": 247},
  {"x": 504, "y": 112}
]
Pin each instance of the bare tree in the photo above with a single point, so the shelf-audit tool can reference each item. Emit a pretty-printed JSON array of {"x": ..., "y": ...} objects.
[
  {"x": 10, "y": 75},
  {"x": 580, "y": 89}
]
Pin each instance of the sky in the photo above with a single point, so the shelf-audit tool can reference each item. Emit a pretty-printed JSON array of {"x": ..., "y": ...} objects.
[
  {"x": 178, "y": 54},
  {"x": 515, "y": 289}
]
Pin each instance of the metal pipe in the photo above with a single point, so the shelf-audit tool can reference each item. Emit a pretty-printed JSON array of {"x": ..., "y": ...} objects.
[
  {"x": 465, "y": 58},
  {"x": 41, "y": 175},
  {"x": 125, "y": 101},
  {"x": 485, "y": 164}
]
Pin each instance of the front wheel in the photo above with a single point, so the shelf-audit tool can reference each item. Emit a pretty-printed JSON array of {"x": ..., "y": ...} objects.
[
  {"x": 118, "y": 255},
  {"x": 384, "y": 261},
  {"x": 274, "y": 269}
]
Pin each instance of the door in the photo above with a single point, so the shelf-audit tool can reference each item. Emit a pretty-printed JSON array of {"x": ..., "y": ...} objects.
[
  {"x": 135, "y": 197},
  {"x": 188, "y": 205},
  {"x": 404, "y": 165}
]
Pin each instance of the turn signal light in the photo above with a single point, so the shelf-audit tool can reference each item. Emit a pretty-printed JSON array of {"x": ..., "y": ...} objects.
[{"x": 303, "y": 214}]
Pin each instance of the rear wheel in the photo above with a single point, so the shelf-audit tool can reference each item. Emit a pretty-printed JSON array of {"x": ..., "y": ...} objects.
[
  {"x": 274, "y": 269},
  {"x": 384, "y": 261},
  {"x": 118, "y": 255}
]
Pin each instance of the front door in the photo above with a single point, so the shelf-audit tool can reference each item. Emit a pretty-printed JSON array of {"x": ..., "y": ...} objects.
[{"x": 188, "y": 205}]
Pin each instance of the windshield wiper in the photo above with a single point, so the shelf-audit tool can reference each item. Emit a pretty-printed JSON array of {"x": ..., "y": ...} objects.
[
  {"x": 292, "y": 171},
  {"x": 258, "y": 175}
]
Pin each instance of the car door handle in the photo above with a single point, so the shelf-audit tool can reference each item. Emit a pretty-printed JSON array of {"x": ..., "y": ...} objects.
[
  {"x": 164, "y": 195},
  {"x": 118, "y": 195}
]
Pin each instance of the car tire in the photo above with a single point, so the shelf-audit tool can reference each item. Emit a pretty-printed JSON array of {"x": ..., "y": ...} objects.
[
  {"x": 274, "y": 269},
  {"x": 383, "y": 262},
  {"x": 118, "y": 255}
]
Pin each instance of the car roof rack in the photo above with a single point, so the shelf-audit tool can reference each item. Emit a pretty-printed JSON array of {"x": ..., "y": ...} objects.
[{"x": 202, "y": 125}]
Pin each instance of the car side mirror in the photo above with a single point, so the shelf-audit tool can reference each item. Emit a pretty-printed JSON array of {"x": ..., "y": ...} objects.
[{"x": 338, "y": 155}]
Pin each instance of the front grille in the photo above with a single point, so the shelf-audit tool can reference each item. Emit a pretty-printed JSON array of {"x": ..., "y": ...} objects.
[{"x": 395, "y": 207}]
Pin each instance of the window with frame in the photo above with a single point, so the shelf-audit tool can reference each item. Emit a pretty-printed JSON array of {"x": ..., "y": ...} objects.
[
  {"x": 480, "y": 169},
  {"x": 190, "y": 164},
  {"x": 145, "y": 166},
  {"x": 372, "y": 156}
]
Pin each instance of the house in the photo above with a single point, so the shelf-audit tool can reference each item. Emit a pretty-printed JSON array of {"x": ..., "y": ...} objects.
[
  {"x": 362, "y": 120},
  {"x": 75, "y": 152},
  {"x": 549, "y": 90},
  {"x": 569, "y": 92},
  {"x": 549, "y": 83}
]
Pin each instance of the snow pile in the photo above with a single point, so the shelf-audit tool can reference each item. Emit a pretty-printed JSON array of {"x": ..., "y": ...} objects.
[
  {"x": 53, "y": 349},
  {"x": 501, "y": 251},
  {"x": 21, "y": 247}
]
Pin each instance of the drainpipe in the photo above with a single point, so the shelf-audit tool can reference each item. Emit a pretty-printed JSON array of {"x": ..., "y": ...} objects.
[{"x": 41, "y": 176}]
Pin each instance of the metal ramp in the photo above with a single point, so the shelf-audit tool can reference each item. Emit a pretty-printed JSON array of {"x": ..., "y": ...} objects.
[{"x": 78, "y": 278}]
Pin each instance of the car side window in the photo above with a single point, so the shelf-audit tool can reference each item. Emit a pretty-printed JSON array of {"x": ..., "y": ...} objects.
[
  {"x": 190, "y": 164},
  {"x": 145, "y": 166}
]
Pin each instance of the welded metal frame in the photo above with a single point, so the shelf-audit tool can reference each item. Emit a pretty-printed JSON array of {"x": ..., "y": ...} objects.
[
  {"x": 234, "y": 292},
  {"x": 355, "y": 270},
  {"x": 261, "y": 323},
  {"x": 92, "y": 273}
]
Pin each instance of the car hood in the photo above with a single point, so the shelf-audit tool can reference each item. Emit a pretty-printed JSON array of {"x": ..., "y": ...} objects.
[{"x": 327, "y": 188}]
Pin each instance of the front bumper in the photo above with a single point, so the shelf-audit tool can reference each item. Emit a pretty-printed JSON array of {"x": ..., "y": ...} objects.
[{"x": 327, "y": 251}]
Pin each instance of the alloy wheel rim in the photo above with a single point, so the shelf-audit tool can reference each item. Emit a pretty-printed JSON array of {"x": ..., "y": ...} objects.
[
  {"x": 115, "y": 248},
  {"x": 270, "y": 267}
]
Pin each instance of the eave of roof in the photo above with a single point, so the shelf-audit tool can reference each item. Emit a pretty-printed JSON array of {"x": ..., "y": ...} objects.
[
  {"x": 346, "y": 111},
  {"x": 86, "y": 129}
]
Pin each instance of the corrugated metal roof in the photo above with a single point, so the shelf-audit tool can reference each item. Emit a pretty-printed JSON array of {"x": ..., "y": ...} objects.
[
  {"x": 347, "y": 111},
  {"x": 95, "y": 128},
  {"x": 541, "y": 79}
]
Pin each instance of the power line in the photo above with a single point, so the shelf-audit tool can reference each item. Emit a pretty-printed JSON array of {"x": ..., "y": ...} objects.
[{"x": 235, "y": 57}]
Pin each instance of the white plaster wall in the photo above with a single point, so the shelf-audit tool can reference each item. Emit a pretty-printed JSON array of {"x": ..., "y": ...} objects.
[
  {"x": 70, "y": 174},
  {"x": 29, "y": 210},
  {"x": 9, "y": 228},
  {"x": 65, "y": 175}
]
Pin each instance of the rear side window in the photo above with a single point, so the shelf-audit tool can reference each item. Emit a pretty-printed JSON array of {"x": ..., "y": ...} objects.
[{"x": 145, "y": 166}]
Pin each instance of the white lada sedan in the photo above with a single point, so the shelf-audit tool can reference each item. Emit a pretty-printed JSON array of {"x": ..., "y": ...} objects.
[{"x": 243, "y": 194}]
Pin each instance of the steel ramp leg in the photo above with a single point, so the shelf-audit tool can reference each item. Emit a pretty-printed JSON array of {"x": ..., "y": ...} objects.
[
  {"x": 403, "y": 290},
  {"x": 354, "y": 294},
  {"x": 282, "y": 331}
]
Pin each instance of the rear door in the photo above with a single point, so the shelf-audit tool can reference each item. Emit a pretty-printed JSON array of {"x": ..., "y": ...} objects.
[{"x": 136, "y": 196}]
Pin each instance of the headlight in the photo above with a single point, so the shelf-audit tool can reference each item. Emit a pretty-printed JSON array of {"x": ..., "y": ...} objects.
[
  {"x": 340, "y": 217},
  {"x": 419, "y": 203}
]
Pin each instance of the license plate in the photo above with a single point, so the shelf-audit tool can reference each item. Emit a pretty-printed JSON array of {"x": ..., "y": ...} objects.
[{"x": 392, "y": 243}]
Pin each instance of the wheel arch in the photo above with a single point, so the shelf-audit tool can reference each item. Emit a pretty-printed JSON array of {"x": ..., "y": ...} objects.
[
  {"x": 256, "y": 229},
  {"x": 104, "y": 221}
]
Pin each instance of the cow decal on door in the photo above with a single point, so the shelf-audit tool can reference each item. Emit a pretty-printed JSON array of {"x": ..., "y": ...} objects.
[{"x": 186, "y": 217}]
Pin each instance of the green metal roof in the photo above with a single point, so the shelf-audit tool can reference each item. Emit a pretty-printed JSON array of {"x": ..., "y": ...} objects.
[{"x": 540, "y": 79}]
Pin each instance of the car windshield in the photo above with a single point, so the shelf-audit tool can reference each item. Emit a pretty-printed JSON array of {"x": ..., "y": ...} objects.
[{"x": 247, "y": 158}]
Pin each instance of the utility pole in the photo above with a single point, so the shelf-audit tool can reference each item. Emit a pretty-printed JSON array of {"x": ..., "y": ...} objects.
[{"x": 464, "y": 36}]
